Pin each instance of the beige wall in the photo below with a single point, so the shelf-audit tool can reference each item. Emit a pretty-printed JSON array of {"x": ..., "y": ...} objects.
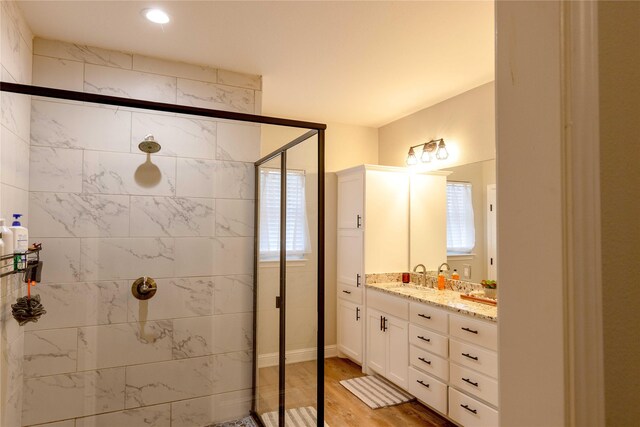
[
  {"x": 466, "y": 122},
  {"x": 530, "y": 216},
  {"x": 345, "y": 146},
  {"x": 619, "y": 63}
]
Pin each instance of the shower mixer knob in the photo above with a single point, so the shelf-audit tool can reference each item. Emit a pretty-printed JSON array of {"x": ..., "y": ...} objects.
[{"x": 144, "y": 288}]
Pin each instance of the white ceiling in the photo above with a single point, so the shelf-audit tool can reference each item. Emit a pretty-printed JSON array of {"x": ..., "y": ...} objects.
[{"x": 362, "y": 63}]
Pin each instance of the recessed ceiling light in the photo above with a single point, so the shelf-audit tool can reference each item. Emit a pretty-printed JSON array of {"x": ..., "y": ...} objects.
[{"x": 156, "y": 15}]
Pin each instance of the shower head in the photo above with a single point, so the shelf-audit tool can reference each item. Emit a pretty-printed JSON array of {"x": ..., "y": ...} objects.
[{"x": 149, "y": 145}]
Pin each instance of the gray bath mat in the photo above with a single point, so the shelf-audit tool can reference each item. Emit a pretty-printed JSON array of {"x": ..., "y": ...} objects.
[
  {"x": 244, "y": 422},
  {"x": 297, "y": 417},
  {"x": 376, "y": 392}
]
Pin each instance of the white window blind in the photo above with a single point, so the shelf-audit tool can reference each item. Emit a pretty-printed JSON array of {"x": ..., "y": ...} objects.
[
  {"x": 297, "y": 227},
  {"x": 461, "y": 233}
]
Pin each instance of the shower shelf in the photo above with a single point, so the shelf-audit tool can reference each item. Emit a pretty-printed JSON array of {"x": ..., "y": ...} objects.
[{"x": 29, "y": 255}]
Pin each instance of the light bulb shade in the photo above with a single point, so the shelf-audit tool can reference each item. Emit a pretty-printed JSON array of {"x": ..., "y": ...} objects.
[
  {"x": 426, "y": 155},
  {"x": 442, "y": 152},
  {"x": 411, "y": 158}
]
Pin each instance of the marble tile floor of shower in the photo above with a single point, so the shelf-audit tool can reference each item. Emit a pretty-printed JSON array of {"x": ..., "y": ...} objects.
[{"x": 342, "y": 409}]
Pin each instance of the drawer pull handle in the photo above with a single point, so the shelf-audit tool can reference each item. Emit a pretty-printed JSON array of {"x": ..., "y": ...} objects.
[
  {"x": 470, "y": 356},
  {"x": 428, "y": 362},
  {"x": 384, "y": 325},
  {"x": 347, "y": 292},
  {"x": 424, "y": 384},
  {"x": 424, "y": 339},
  {"x": 357, "y": 280},
  {"x": 358, "y": 221},
  {"x": 470, "y": 330},
  {"x": 470, "y": 382},
  {"x": 425, "y": 316},
  {"x": 475, "y": 411},
  {"x": 357, "y": 313}
]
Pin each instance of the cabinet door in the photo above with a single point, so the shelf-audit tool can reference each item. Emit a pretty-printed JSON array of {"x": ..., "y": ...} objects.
[
  {"x": 398, "y": 350},
  {"x": 376, "y": 343},
  {"x": 350, "y": 321},
  {"x": 351, "y": 200},
  {"x": 350, "y": 257}
]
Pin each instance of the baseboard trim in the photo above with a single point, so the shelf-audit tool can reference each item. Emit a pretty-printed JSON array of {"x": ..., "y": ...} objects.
[{"x": 296, "y": 356}]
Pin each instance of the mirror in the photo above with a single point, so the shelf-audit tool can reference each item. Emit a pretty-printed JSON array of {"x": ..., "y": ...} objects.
[{"x": 480, "y": 263}]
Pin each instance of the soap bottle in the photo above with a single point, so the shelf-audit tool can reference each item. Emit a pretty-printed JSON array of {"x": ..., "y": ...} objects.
[
  {"x": 455, "y": 275},
  {"x": 20, "y": 242},
  {"x": 7, "y": 237},
  {"x": 440, "y": 281}
]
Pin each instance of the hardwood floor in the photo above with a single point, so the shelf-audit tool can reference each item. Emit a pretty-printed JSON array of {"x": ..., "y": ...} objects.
[{"x": 342, "y": 409}]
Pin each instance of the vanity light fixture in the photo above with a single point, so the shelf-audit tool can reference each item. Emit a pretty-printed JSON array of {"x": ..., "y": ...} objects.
[
  {"x": 428, "y": 148},
  {"x": 157, "y": 16}
]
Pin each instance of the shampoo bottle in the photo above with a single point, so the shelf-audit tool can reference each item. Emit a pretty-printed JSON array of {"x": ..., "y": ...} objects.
[
  {"x": 440, "y": 281},
  {"x": 7, "y": 238},
  {"x": 20, "y": 236}
]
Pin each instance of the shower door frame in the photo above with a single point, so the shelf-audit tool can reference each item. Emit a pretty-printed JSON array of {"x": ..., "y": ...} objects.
[
  {"x": 282, "y": 153},
  {"x": 316, "y": 129}
]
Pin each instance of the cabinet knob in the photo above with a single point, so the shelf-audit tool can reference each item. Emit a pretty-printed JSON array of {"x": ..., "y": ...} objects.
[
  {"x": 423, "y": 383},
  {"x": 428, "y": 362},
  {"x": 475, "y": 411},
  {"x": 470, "y": 382}
]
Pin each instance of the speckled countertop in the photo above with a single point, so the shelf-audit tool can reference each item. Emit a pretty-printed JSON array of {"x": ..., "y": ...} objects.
[{"x": 447, "y": 299}]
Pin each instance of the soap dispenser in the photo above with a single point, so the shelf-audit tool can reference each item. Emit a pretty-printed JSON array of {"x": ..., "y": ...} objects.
[
  {"x": 20, "y": 235},
  {"x": 441, "y": 280},
  {"x": 7, "y": 237}
]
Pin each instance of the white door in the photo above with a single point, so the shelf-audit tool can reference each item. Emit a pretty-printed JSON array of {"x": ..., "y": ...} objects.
[
  {"x": 398, "y": 351},
  {"x": 350, "y": 321},
  {"x": 376, "y": 342},
  {"x": 351, "y": 200},
  {"x": 350, "y": 248},
  {"x": 492, "y": 250}
]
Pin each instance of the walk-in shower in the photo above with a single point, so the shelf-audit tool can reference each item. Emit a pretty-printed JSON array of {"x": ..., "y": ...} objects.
[{"x": 183, "y": 285}]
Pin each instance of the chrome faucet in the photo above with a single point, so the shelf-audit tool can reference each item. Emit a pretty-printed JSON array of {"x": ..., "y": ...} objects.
[
  {"x": 443, "y": 264},
  {"x": 424, "y": 273}
]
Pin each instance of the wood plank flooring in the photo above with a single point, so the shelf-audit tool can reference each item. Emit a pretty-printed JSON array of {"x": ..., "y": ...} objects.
[{"x": 342, "y": 409}]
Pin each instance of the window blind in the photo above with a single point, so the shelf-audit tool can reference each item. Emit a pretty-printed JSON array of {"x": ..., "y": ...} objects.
[
  {"x": 461, "y": 233},
  {"x": 297, "y": 233}
]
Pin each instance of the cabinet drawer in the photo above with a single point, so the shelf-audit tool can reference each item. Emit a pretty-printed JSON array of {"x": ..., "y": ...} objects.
[
  {"x": 429, "y": 317},
  {"x": 350, "y": 293},
  {"x": 395, "y": 306},
  {"x": 472, "y": 382},
  {"x": 474, "y": 331},
  {"x": 429, "y": 340},
  {"x": 469, "y": 412},
  {"x": 474, "y": 357},
  {"x": 429, "y": 362},
  {"x": 428, "y": 390}
]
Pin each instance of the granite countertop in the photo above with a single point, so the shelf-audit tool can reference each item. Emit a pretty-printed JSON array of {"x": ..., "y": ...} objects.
[{"x": 447, "y": 299}]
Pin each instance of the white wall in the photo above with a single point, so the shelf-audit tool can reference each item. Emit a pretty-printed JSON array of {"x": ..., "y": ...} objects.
[
  {"x": 15, "y": 59},
  {"x": 530, "y": 215},
  {"x": 108, "y": 214},
  {"x": 466, "y": 122},
  {"x": 619, "y": 68}
]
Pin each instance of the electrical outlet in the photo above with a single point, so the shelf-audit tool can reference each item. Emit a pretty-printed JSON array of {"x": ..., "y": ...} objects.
[{"x": 466, "y": 271}]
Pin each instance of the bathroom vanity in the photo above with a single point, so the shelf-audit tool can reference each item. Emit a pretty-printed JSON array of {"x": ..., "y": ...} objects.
[{"x": 433, "y": 344}]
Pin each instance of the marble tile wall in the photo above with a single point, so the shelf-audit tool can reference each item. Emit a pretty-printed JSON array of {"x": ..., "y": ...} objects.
[
  {"x": 15, "y": 67},
  {"x": 107, "y": 214}
]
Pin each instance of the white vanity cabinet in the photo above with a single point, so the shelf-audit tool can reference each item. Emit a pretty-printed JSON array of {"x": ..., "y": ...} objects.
[
  {"x": 387, "y": 337},
  {"x": 373, "y": 237},
  {"x": 473, "y": 371}
]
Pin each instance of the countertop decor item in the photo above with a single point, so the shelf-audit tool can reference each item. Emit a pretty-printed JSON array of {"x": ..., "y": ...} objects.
[{"x": 490, "y": 288}]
